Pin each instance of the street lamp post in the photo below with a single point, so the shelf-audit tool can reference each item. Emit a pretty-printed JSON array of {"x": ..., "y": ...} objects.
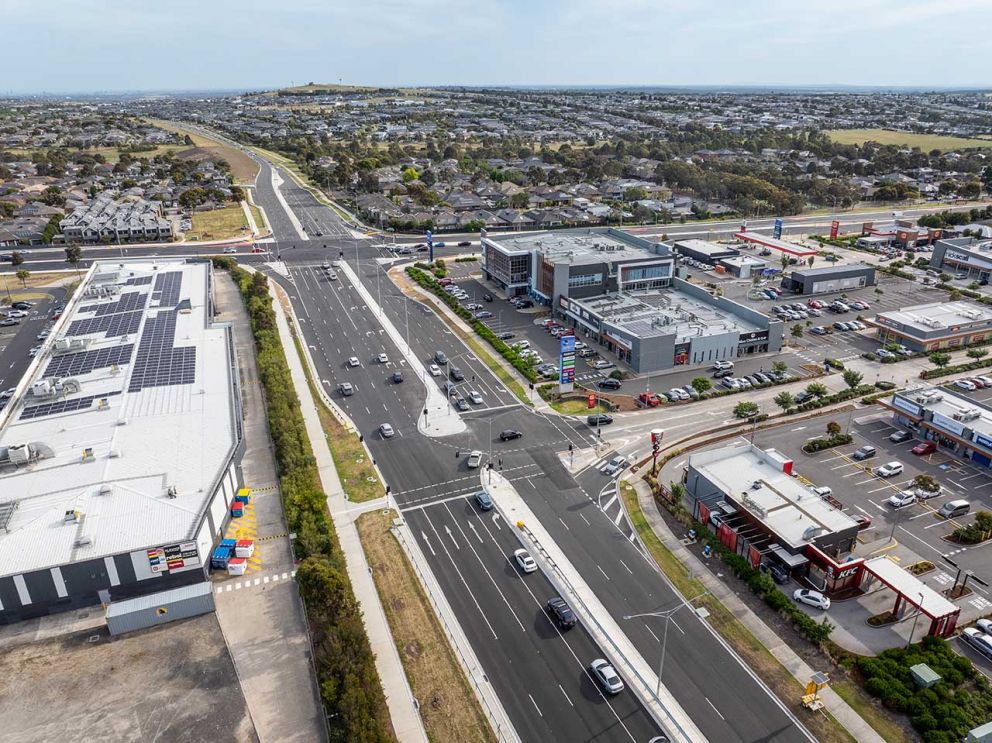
[
  {"x": 667, "y": 616},
  {"x": 916, "y": 618}
]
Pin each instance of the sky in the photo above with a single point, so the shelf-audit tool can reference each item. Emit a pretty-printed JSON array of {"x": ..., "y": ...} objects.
[{"x": 77, "y": 46}]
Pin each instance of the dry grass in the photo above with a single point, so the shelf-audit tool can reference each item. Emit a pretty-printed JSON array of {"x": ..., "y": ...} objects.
[
  {"x": 219, "y": 224},
  {"x": 34, "y": 281},
  {"x": 260, "y": 222},
  {"x": 747, "y": 646},
  {"x": 243, "y": 168},
  {"x": 449, "y": 709},
  {"x": 926, "y": 142}
]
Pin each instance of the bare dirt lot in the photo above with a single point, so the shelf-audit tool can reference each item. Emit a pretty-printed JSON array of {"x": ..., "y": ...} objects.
[{"x": 174, "y": 682}]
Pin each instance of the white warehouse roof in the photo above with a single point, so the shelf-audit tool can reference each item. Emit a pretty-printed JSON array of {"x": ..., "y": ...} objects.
[{"x": 118, "y": 434}]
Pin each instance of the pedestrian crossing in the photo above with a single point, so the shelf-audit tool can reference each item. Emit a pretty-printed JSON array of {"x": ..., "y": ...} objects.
[{"x": 261, "y": 580}]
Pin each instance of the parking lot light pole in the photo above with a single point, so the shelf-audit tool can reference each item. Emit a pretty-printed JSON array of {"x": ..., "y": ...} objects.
[
  {"x": 667, "y": 616},
  {"x": 916, "y": 618}
]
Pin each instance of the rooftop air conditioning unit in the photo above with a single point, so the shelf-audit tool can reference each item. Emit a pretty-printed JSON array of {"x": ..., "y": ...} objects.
[
  {"x": 83, "y": 542},
  {"x": 19, "y": 454},
  {"x": 106, "y": 488}
]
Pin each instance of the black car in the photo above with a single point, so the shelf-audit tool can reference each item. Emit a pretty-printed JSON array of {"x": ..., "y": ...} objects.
[
  {"x": 22, "y": 305},
  {"x": 506, "y": 336},
  {"x": 561, "y": 613},
  {"x": 509, "y": 435},
  {"x": 600, "y": 419},
  {"x": 464, "y": 244},
  {"x": 397, "y": 377},
  {"x": 456, "y": 374},
  {"x": 720, "y": 373},
  {"x": 778, "y": 572},
  {"x": 865, "y": 452},
  {"x": 609, "y": 384},
  {"x": 900, "y": 436},
  {"x": 802, "y": 397},
  {"x": 487, "y": 297},
  {"x": 524, "y": 304}
]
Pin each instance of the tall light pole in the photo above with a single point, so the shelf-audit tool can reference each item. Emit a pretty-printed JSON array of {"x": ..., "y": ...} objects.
[
  {"x": 915, "y": 620},
  {"x": 667, "y": 616}
]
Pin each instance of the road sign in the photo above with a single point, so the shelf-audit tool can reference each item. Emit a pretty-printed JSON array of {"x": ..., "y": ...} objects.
[
  {"x": 430, "y": 246},
  {"x": 777, "y": 232}
]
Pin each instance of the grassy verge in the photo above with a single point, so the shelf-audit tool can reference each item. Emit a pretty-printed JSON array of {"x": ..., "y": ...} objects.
[
  {"x": 259, "y": 218},
  {"x": 219, "y": 224},
  {"x": 856, "y": 700},
  {"x": 35, "y": 280},
  {"x": 449, "y": 709},
  {"x": 358, "y": 476},
  {"x": 496, "y": 368},
  {"x": 925, "y": 142},
  {"x": 757, "y": 657},
  {"x": 576, "y": 407}
]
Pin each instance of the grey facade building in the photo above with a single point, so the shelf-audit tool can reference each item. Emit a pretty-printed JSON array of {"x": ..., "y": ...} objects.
[
  {"x": 829, "y": 279},
  {"x": 120, "y": 449},
  {"x": 680, "y": 326},
  {"x": 105, "y": 220},
  {"x": 931, "y": 327},
  {"x": 959, "y": 425},
  {"x": 704, "y": 251},
  {"x": 967, "y": 255}
]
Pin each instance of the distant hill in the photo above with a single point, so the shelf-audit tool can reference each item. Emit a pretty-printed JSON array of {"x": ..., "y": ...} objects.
[{"x": 326, "y": 88}]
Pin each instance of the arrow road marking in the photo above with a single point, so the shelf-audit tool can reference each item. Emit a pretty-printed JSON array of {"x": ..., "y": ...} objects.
[
  {"x": 472, "y": 527},
  {"x": 448, "y": 529},
  {"x": 427, "y": 542}
]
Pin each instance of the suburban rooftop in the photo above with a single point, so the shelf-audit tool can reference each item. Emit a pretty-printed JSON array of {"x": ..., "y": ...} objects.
[
  {"x": 939, "y": 315},
  {"x": 123, "y": 424},
  {"x": 584, "y": 246}
]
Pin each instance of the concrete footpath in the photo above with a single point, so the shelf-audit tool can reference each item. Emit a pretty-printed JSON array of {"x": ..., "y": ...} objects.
[
  {"x": 399, "y": 698},
  {"x": 841, "y": 711},
  {"x": 604, "y": 629}
]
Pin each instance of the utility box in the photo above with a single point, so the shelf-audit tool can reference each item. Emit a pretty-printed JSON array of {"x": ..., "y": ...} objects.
[
  {"x": 924, "y": 676},
  {"x": 160, "y": 608}
]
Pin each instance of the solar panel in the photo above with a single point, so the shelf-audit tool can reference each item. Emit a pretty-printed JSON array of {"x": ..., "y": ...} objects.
[
  {"x": 6, "y": 513},
  {"x": 61, "y": 406},
  {"x": 157, "y": 362},
  {"x": 138, "y": 281},
  {"x": 127, "y": 302},
  {"x": 166, "y": 289},
  {"x": 124, "y": 323},
  {"x": 74, "y": 364}
]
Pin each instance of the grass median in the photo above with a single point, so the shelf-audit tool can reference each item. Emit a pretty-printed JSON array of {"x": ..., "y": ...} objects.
[
  {"x": 219, "y": 224},
  {"x": 448, "y": 707},
  {"x": 358, "y": 477},
  {"x": 755, "y": 655}
]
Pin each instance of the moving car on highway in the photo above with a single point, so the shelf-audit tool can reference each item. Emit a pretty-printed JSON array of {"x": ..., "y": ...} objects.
[{"x": 606, "y": 676}]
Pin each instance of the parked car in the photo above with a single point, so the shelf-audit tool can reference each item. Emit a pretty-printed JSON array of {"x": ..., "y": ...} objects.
[
  {"x": 777, "y": 571},
  {"x": 900, "y": 436},
  {"x": 397, "y": 377},
  {"x": 650, "y": 399},
  {"x": 561, "y": 613},
  {"x": 601, "y": 364},
  {"x": 353, "y": 361},
  {"x": 382, "y": 359},
  {"x": 889, "y": 469},
  {"x": 924, "y": 447},
  {"x": 8, "y": 321},
  {"x": 606, "y": 676},
  {"x": 802, "y": 396},
  {"x": 964, "y": 384},
  {"x": 865, "y": 452},
  {"x": 811, "y": 598},
  {"x": 902, "y": 499}
]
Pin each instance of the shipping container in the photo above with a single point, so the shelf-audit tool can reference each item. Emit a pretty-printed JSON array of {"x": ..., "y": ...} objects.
[{"x": 159, "y": 608}]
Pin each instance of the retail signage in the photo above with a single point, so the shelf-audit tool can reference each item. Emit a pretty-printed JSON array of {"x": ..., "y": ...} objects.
[
  {"x": 947, "y": 424},
  {"x": 906, "y": 405},
  {"x": 173, "y": 558},
  {"x": 566, "y": 363}
]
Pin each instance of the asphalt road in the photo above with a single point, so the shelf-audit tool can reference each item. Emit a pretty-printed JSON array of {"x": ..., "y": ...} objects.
[{"x": 16, "y": 341}]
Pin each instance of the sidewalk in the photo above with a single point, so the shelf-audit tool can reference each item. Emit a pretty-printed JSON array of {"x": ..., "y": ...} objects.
[
  {"x": 847, "y": 717},
  {"x": 605, "y": 630},
  {"x": 402, "y": 706}
]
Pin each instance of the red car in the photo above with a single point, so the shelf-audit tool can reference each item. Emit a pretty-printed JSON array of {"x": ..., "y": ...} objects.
[
  {"x": 924, "y": 447},
  {"x": 650, "y": 399},
  {"x": 815, "y": 304},
  {"x": 863, "y": 521}
]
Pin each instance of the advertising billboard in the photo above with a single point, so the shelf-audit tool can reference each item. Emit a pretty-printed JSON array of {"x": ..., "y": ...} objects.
[
  {"x": 834, "y": 229},
  {"x": 777, "y": 232},
  {"x": 566, "y": 363},
  {"x": 430, "y": 246},
  {"x": 173, "y": 558}
]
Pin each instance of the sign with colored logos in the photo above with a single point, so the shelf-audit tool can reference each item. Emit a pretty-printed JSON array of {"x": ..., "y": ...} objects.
[
  {"x": 566, "y": 363},
  {"x": 777, "y": 232},
  {"x": 430, "y": 246},
  {"x": 834, "y": 229},
  {"x": 173, "y": 558}
]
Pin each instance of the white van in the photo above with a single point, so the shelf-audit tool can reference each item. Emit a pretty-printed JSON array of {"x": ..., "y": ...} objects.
[{"x": 954, "y": 508}]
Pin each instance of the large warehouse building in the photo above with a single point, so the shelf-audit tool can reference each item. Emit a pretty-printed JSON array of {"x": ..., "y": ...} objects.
[
  {"x": 829, "y": 279},
  {"x": 963, "y": 255},
  {"x": 119, "y": 451}
]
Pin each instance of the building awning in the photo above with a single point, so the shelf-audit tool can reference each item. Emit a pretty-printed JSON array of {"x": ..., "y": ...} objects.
[
  {"x": 793, "y": 561},
  {"x": 914, "y": 591},
  {"x": 780, "y": 245}
]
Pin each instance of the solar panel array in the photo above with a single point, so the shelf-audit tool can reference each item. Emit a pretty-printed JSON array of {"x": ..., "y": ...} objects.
[
  {"x": 73, "y": 364},
  {"x": 127, "y": 302},
  {"x": 124, "y": 323},
  {"x": 138, "y": 281},
  {"x": 158, "y": 363},
  {"x": 61, "y": 406},
  {"x": 166, "y": 288}
]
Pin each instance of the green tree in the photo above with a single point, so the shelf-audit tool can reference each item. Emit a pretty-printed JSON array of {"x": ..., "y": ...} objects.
[
  {"x": 634, "y": 193},
  {"x": 784, "y": 400},
  {"x": 954, "y": 295},
  {"x": 410, "y": 174},
  {"x": 780, "y": 367},
  {"x": 16, "y": 258},
  {"x": 520, "y": 200},
  {"x": 784, "y": 260},
  {"x": 817, "y": 389},
  {"x": 809, "y": 261},
  {"x": 852, "y": 378},
  {"x": 797, "y": 331},
  {"x": 977, "y": 353},
  {"x": 22, "y": 276},
  {"x": 745, "y": 409},
  {"x": 701, "y": 384},
  {"x": 73, "y": 254},
  {"x": 52, "y": 228},
  {"x": 940, "y": 359},
  {"x": 833, "y": 428}
]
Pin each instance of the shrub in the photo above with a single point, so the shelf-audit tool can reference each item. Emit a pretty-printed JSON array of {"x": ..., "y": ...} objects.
[
  {"x": 834, "y": 364},
  {"x": 814, "y": 445},
  {"x": 745, "y": 409}
]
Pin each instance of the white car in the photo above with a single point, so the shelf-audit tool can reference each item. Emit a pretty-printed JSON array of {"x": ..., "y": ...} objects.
[
  {"x": 987, "y": 381},
  {"x": 525, "y": 561},
  {"x": 474, "y": 397},
  {"x": 474, "y": 459},
  {"x": 985, "y": 625},
  {"x": 7, "y": 394},
  {"x": 889, "y": 469},
  {"x": 731, "y": 383},
  {"x": 615, "y": 465},
  {"x": 17, "y": 313},
  {"x": 602, "y": 364},
  {"x": 435, "y": 370},
  {"x": 353, "y": 361},
  {"x": 811, "y": 598},
  {"x": 382, "y": 358},
  {"x": 902, "y": 499},
  {"x": 721, "y": 365},
  {"x": 606, "y": 676},
  {"x": 579, "y": 345},
  {"x": 386, "y": 430},
  {"x": 964, "y": 384},
  {"x": 230, "y": 250}
]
